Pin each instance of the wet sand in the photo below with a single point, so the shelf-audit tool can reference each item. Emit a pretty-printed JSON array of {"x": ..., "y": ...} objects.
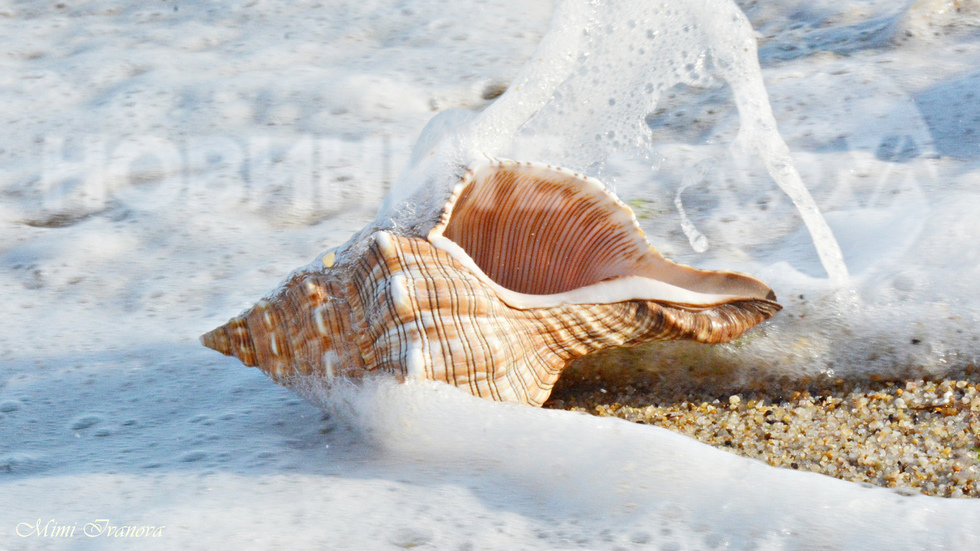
[{"x": 914, "y": 434}]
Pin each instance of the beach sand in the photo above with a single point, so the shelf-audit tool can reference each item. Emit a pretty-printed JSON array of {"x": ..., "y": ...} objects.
[{"x": 918, "y": 435}]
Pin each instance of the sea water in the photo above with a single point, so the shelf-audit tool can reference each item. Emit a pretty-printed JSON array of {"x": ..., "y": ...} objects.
[{"x": 166, "y": 164}]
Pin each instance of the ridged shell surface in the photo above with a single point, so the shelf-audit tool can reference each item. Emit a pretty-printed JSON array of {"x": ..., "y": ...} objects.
[{"x": 528, "y": 268}]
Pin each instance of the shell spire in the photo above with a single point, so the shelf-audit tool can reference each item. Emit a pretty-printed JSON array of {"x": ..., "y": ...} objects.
[
  {"x": 528, "y": 268},
  {"x": 233, "y": 339},
  {"x": 292, "y": 332}
]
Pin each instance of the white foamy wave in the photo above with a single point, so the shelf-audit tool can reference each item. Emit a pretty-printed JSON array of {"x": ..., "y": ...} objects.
[{"x": 588, "y": 477}]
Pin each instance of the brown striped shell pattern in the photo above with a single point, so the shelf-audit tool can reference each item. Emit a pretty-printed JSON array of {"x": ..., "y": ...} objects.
[{"x": 528, "y": 268}]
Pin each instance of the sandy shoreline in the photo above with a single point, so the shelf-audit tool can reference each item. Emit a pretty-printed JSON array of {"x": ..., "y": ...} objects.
[{"x": 914, "y": 434}]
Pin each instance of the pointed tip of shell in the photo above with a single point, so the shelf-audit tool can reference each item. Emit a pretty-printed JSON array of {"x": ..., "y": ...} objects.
[
  {"x": 232, "y": 339},
  {"x": 216, "y": 340}
]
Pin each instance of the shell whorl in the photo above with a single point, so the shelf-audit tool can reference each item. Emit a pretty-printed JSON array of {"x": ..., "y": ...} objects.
[{"x": 529, "y": 268}]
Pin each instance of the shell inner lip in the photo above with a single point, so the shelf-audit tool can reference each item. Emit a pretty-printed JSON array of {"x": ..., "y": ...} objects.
[{"x": 621, "y": 287}]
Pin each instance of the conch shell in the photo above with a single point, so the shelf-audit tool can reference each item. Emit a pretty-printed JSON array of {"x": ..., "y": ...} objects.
[{"x": 528, "y": 268}]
